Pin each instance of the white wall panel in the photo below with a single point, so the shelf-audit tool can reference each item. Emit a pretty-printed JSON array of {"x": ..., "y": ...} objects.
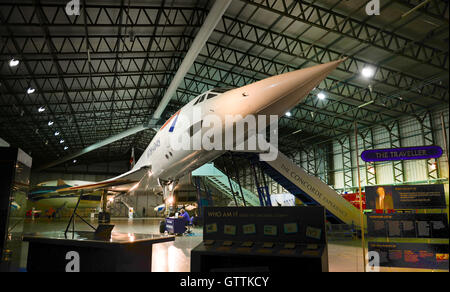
[{"x": 384, "y": 173}]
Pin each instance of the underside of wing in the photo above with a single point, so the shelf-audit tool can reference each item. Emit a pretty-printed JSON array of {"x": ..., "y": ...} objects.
[{"x": 122, "y": 183}]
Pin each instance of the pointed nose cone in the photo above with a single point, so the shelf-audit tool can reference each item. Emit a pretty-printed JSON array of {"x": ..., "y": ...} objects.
[{"x": 277, "y": 95}]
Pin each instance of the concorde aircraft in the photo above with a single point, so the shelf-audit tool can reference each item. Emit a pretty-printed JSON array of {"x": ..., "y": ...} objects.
[{"x": 162, "y": 166}]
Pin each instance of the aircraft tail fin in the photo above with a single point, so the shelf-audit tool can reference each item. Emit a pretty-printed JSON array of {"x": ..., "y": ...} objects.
[
  {"x": 132, "y": 159},
  {"x": 61, "y": 183}
]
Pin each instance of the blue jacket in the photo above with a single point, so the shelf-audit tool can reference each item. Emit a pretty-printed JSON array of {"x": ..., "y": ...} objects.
[{"x": 186, "y": 217}]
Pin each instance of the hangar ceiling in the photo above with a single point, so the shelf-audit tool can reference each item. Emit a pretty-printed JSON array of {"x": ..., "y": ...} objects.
[{"x": 105, "y": 71}]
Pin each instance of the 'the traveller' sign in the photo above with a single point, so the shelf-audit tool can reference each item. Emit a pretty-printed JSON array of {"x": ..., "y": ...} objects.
[{"x": 411, "y": 153}]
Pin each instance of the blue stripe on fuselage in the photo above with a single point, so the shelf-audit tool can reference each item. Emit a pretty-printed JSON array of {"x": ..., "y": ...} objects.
[{"x": 172, "y": 128}]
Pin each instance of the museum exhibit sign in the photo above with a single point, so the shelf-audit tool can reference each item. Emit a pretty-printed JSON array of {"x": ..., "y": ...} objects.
[
  {"x": 408, "y": 225},
  {"x": 388, "y": 226},
  {"x": 262, "y": 239},
  {"x": 411, "y": 153},
  {"x": 411, "y": 255},
  {"x": 405, "y": 197}
]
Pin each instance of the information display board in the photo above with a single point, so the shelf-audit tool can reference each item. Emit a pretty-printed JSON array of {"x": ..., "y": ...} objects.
[
  {"x": 392, "y": 225},
  {"x": 302, "y": 225},
  {"x": 405, "y": 197},
  {"x": 411, "y": 255},
  {"x": 264, "y": 239},
  {"x": 408, "y": 225}
]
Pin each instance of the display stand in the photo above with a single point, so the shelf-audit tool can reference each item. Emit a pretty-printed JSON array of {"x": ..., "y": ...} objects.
[
  {"x": 119, "y": 253},
  {"x": 15, "y": 166},
  {"x": 262, "y": 239}
]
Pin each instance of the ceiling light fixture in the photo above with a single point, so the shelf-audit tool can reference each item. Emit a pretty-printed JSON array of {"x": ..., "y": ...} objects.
[
  {"x": 13, "y": 63},
  {"x": 368, "y": 72},
  {"x": 50, "y": 123},
  {"x": 62, "y": 141},
  {"x": 57, "y": 133},
  {"x": 41, "y": 109},
  {"x": 31, "y": 90},
  {"x": 65, "y": 148},
  {"x": 321, "y": 96},
  {"x": 288, "y": 114}
]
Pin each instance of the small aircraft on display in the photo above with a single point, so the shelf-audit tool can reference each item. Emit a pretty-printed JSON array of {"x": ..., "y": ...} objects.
[
  {"x": 50, "y": 195},
  {"x": 162, "y": 165},
  {"x": 15, "y": 206}
]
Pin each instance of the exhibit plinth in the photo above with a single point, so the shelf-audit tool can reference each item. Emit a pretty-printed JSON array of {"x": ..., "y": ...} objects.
[
  {"x": 84, "y": 252},
  {"x": 235, "y": 258},
  {"x": 262, "y": 239}
]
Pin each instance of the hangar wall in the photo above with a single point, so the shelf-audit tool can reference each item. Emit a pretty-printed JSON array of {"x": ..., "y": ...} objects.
[
  {"x": 426, "y": 129},
  {"x": 143, "y": 202},
  {"x": 335, "y": 163}
]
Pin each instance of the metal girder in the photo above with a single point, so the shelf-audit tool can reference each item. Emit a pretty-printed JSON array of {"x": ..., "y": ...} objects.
[
  {"x": 174, "y": 63},
  {"x": 395, "y": 141},
  {"x": 214, "y": 16},
  {"x": 444, "y": 95},
  {"x": 311, "y": 161},
  {"x": 146, "y": 62},
  {"x": 312, "y": 52},
  {"x": 24, "y": 128},
  {"x": 51, "y": 48},
  {"x": 370, "y": 168},
  {"x": 30, "y": 81},
  {"x": 244, "y": 49},
  {"x": 328, "y": 20},
  {"x": 345, "y": 92},
  {"x": 103, "y": 15},
  {"x": 347, "y": 162},
  {"x": 275, "y": 41},
  {"x": 268, "y": 67},
  {"x": 426, "y": 124},
  {"x": 435, "y": 9},
  {"x": 211, "y": 21},
  {"x": 101, "y": 45}
]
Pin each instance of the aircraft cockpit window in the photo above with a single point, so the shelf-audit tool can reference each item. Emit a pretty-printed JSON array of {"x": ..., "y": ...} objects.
[
  {"x": 211, "y": 95},
  {"x": 222, "y": 90},
  {"x": 200, "y": 100}
]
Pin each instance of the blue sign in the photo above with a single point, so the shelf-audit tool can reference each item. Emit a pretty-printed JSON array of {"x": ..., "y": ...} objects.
[{"x": 411, "y": 153}]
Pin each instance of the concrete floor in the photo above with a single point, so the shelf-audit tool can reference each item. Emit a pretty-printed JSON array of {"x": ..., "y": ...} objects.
[{"x": 345, "y": 255}]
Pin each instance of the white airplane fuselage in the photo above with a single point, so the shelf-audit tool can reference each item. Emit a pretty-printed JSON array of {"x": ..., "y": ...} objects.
[{"x": 273, "y": 96}]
